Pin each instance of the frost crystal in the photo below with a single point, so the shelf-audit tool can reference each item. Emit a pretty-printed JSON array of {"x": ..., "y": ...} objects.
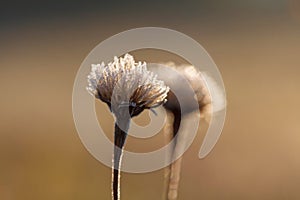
[{"x": 124, "y": 81}]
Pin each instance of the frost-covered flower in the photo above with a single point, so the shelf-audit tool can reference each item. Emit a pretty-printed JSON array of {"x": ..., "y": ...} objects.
[{"x": 126, "y": 82}]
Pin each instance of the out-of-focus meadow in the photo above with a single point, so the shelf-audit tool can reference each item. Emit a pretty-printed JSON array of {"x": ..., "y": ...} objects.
[{"x": 256, "y": 47}]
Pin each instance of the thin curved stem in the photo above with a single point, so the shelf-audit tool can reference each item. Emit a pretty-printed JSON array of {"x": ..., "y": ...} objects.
[
  {"x": 172, "y": 172},
  {"x": 168, "y": 136},
  {"x": 174, "y": 179},
  {"x": 176, "y": 165},
  {"x": 121, "y": 129}
]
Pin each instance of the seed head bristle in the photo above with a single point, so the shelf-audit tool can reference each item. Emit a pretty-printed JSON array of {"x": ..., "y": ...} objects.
[{"x": 125, "y": 80}]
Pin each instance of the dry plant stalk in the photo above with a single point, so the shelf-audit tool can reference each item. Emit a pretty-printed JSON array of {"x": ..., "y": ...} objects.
[
  {"x": 178, "y": 114},
  {"x": 127, "y": 88}
]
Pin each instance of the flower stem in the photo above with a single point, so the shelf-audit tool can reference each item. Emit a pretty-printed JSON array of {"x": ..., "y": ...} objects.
[
  {"x": 172, "y": 172},
  {"x": 121, "y": 129}
]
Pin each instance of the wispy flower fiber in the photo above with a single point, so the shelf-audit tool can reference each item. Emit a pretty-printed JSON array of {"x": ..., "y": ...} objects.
[{"x": 124, "y": 81}]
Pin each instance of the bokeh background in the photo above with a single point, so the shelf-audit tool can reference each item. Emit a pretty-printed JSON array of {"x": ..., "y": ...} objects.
[{"x": 256, "y": 46}]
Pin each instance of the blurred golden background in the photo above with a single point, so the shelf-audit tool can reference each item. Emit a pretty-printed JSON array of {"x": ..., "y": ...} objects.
[{"x": 256, "y": 46}]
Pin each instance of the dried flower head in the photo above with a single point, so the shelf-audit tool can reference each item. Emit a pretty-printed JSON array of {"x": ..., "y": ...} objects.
[{"x": 125, "y": 82}]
